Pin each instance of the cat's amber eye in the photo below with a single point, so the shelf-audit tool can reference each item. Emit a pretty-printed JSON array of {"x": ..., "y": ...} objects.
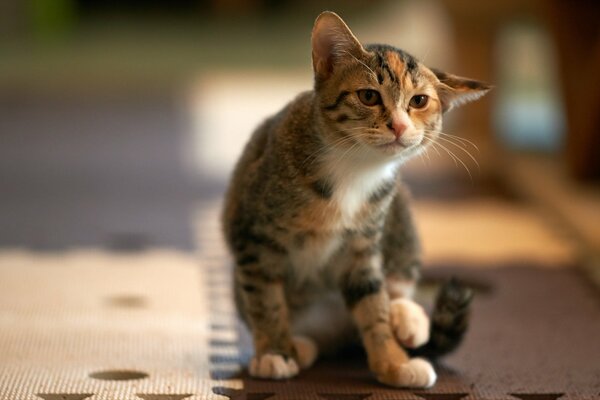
[
  {"x": 418, "y": 101},
  {"x": 369, "y": 97}
]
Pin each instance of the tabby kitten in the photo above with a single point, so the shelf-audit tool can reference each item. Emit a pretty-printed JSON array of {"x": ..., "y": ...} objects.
[{"x": 318, "y": 222}]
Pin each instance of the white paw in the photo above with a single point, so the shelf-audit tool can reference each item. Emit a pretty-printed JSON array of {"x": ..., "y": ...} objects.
[
  {"x": 273, "y": 366},
  {"x": 416, "y": 373},
  {"x": 409, "y": 322},
  {"x": 306, "y": 349}
]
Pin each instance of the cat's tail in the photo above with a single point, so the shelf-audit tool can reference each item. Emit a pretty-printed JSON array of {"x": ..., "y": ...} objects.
[{"x": 449, "y": 320}]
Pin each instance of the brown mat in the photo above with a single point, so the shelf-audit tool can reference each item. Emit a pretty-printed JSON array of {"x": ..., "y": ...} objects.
[{"x": 534, "y": 335}]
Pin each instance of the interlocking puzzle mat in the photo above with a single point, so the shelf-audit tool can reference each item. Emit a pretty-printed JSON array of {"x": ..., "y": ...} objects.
[{"x": 160, "y": 325}]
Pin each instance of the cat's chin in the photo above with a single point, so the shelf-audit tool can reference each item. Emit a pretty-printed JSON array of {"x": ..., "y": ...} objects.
[
  {"x": 394, "y": 146},
  {"x": 397, "y": 150},
  {"x": 400, "y": 148}
]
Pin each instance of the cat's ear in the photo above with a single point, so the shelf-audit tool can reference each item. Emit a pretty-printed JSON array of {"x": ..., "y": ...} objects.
[
  {"x": 332, "y": 41},
  {"x": 455, "y": 91}
]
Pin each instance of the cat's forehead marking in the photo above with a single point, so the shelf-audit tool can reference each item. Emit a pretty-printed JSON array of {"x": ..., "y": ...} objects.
[
  {"x": 385, "y": 67},
  {"x": 404, "y": 67},
  {"x": 395, "y": 62}
]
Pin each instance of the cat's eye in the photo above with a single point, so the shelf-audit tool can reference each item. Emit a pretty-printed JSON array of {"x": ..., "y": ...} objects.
[
  {"x": 369, "y": 97},
  {"x": 418, "y": 101}
]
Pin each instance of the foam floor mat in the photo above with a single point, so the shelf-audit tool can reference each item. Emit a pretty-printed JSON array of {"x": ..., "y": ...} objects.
[{"x": 161, "y": 325}]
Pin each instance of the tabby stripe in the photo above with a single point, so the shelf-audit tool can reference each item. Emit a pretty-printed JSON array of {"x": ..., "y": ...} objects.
[
  {"x": 355, "y": 291},
  {"x": 247, "y": 259},
  {"x": 382, "y": 192},
  {"x": 386, "y": 67},
  {"x": 370, "y": 232},
  {"x": 266, "y": 241},
  {"x": 338, "y": 101},
  {"x": 250, "y": 288},
  {"x": 258, "y": 273},
  {"x": 374, "y": 324},
  {"x": 366, "y": 252},
  {"x": 411, "y": 67},
  {"x": 341, "y": 118},
  {"x": 322, "y": 188},
  {"x": 390, "y": 73},
  {"x": 411, "y": 63}
]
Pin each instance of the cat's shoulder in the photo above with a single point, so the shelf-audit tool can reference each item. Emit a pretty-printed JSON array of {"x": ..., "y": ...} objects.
[
  {"x": 280, "y": 128},
  {"x": 298, "y": 110}
]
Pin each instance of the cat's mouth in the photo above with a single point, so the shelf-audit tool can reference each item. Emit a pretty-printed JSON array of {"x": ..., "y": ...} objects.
[
  {"x": 394, "y": 144},
  {"x": 397, "y": 145}
]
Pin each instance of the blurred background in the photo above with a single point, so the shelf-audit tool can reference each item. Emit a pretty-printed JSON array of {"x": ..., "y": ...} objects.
[
  {"x": 120, "y": 122},
  {"x": 117, "y": 117}
]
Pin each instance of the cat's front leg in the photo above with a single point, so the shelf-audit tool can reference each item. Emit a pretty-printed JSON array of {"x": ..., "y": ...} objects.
[
  {"x": 365, "y": 295},
  {"x": 408, "y": 319},
  {"x": 260, "y": 288},
  {"x": 402, "y": 265}
]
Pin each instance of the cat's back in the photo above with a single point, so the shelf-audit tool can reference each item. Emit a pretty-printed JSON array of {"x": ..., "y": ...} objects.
[
  {"x": 268, "y": 151},
  {"x": 275, "y": 131}
]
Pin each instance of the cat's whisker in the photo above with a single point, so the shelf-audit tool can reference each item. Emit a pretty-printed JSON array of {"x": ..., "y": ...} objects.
[
  {"x": 426, "y": 55},
  {"x": 449, "y": 136},
  {"x": 463, "y": 150},
  {"x": 335, "y": 144},
  {"x": 350, "y": 129},
  {"x": 329, "y": 146},
  {"x": 460, "y": 146},
  {"x": 355, "y": 148},
  {"x": 426, "y": 152},
  {"x": 361, "y": 62},
  {"x": 456, "y": 158},
  {"x": 432, "y": 142},
  {"x": 460, "y": 139},
  {"x": 421, "y": 153},
  {"x": 339, "y": 160},
  {"x": 434, "y": 145}
]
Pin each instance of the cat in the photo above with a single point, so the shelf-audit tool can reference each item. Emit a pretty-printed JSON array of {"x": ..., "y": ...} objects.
[{"x": 318, "y": 221}]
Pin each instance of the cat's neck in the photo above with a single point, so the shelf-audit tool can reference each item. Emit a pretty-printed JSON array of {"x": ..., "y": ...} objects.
[{"x": 354, "y": 180}]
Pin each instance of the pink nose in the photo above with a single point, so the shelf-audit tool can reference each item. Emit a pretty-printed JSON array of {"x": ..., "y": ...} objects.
[{"x": 398, "y": 125}]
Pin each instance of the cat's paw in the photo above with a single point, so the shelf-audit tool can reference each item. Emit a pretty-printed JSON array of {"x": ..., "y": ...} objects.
[
  {"x": 409, "y": 323},
  {"x": 272, "y": 366},
  {"x": 415, "y": 373},
  {"x": 306, "y": 350}
]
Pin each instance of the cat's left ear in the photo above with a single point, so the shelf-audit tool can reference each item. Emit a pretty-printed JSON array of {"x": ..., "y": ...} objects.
[
  {"x": 332, "y": 41},
  {"x": 455, "y": 91}
]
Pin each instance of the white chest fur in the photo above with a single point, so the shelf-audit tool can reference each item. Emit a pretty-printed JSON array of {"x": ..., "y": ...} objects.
[
  {"x": 352, "y": 184},
  {"x": 309, "y": 259}
]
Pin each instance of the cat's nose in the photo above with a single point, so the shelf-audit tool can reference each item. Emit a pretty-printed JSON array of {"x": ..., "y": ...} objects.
[{"x": 398, "y": 125}]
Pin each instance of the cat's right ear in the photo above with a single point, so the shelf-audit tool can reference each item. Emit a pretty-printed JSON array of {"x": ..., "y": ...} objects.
[
  {"x": 455, "y": 90},
  {"x": 332, "y": 40}
]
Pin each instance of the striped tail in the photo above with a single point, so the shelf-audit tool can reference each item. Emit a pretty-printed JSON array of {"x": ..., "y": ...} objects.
[{"x": 449, "y": 321}]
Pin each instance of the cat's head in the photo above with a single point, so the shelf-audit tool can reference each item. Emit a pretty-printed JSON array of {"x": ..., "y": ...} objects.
[{"x": 378, "y": 99}]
